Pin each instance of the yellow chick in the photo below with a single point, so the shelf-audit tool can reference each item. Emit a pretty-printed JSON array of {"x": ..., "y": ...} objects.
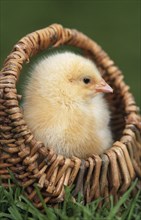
[{"x": 64, "y": 106}]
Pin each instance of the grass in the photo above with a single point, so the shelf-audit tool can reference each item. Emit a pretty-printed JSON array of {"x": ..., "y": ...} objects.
[{"x": 15, "y": 206}]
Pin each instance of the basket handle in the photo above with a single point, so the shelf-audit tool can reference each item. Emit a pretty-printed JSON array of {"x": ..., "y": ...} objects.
[{"x": 54, "y": 35}]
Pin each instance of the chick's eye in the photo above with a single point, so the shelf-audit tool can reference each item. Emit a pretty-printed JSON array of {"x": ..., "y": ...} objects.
[{"x": 86, "y": 80}]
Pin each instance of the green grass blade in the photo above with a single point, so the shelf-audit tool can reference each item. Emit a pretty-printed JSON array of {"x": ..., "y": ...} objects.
[
  {"x": 115, "y": 209},
  {"x": 31, "y": 208},
  {"x": 15, "y": 214},
  {"x": 132, "y": 206},
  {"x": 49, "y": 212},
  {"x": 6, "y": 215}
]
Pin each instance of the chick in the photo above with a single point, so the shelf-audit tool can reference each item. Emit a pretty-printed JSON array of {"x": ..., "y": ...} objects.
[{"x": 64, "y": 106}]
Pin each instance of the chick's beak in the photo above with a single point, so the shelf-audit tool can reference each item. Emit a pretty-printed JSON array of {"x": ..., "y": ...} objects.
[{"x": 103, "y": 87}]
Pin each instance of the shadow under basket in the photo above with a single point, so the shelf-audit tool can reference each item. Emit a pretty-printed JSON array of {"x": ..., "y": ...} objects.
[{"x": 109, "y": 173}]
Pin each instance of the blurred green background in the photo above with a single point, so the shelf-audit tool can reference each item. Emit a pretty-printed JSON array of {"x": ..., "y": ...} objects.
[{"x": 114, "y": 24}]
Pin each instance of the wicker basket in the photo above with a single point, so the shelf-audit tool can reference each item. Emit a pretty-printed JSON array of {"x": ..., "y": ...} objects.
[{"x": 109, "y": 173}]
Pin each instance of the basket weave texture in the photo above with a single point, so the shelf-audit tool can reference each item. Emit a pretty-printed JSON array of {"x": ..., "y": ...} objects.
[{"x": 109, "y": 173}]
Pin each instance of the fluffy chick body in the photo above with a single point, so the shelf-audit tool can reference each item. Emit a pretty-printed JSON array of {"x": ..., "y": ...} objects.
[{"x": 64, "y": 113}]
